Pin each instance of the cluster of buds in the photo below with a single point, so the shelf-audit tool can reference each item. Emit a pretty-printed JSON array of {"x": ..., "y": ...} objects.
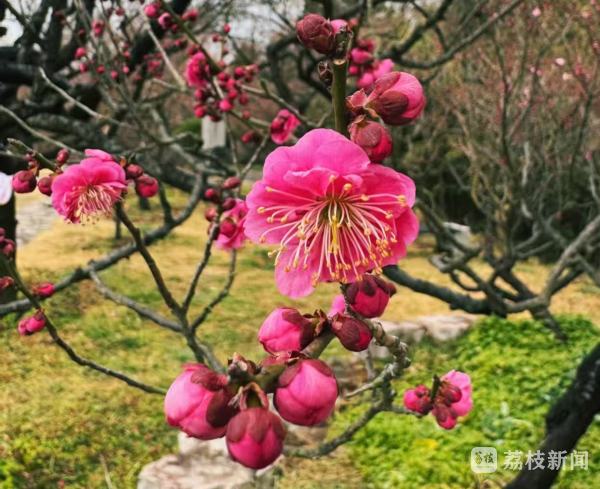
[
  {"x": 365, "y": 66},
  {"x": 145, "y": 185},
  {"x": 32, "y": 324},
  {"x": 26, "y": 181},
  {"x": 208, "y": 405},
  {"x": 156, "y": 10},
  {"x": 215, "y": 99},
  {"x": 448, "y": 399},
  {"x": 232, "y": 211},
  {"x": 7, "y": 246},
  {"x": 396, "y": 99}
]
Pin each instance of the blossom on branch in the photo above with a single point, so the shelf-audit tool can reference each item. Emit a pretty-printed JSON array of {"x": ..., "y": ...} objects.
[
  {"x": 89, "y": 188},
  {"x": 333, "y": 215}
]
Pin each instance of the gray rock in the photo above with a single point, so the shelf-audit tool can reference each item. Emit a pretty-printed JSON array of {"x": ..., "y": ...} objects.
[
  {"x": 202, "y": 465},
  {"x": 440, "y": 328}
]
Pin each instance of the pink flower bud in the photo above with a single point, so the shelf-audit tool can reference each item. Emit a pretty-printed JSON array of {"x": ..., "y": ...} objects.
[
  {"x": 397, "y": 98},
  {"x": 44, "y": 290},
  {"x": 190, "y": 16},
  {"x": 360, "y": 56},
  {"x": 146, "y": 186},
  {"x": 62, "y": 156},
  {"x": 249, "y": 137},
  {"x": 285, "y": 329},
  {"x": 255, "y": 437},
  {"x": 444, "y": 416},
  {"x": 370, "y": 296},
  {"x": 227, "y": 228},
  {"x": 228, "y": 204},
  {"x": 98, "y": 27},
  {"x": 165, "y": 20},
  {"x": 353, "y": 333},
  {"x": 24, "y": 182},
  {"x": 306, "y": 392},
  {"x": 199, "y": 111},
  {"x": 373, "y": 138},
  {"x": 225, "y": 105},
  {"x": 283, "y": 126},
  {"x": 45, "y": 185},
  {"x": 5, "y": 283},
  {"x": 133, "y": 171},
  {"x": 32, "y": 324},
  {"x": 210, "y": 214},
  {"x": 198, "y": 403},
  {"x": 339, "y": 25},
  {"x": 80, "y": 52},
  {"x": 231, "y": 183},
  {"x": 7, "y": 247},
  {"x": 418, "y": 399},
  {"x": 212, "y": 195},
  {"x": 316, "y": 32},
  {"x": 226, "y": 28}
]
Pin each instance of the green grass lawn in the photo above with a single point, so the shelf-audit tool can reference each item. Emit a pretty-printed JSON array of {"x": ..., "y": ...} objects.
[{"x": 63, "y": 425}]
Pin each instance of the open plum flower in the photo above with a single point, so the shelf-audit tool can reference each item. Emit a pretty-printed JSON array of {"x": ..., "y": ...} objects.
[
  {"x": 90, "y": 188},
  {"x": 333, "y": 214}
]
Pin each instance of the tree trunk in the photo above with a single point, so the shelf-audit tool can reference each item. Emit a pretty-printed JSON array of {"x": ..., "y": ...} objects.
[{"x": 567, "y": 421}]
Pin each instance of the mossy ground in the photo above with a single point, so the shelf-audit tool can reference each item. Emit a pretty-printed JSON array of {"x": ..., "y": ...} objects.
[{"x": 63, "y": 425}]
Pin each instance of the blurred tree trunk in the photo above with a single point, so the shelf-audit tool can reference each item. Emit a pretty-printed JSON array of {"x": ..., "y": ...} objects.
[{"x": 567, "y": 422}]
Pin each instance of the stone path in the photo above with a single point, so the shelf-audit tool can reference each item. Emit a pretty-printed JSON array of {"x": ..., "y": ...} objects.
[{"x": 32, "y": 219}]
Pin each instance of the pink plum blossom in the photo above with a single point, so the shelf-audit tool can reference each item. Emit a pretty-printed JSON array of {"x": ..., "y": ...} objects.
[
  {"x": 283, "y": 126},
  {"x": 332, "y": 214},
  {"x": 197, "y": 70},
  {"x": 89, "y": 188},
  {"x": 255, "y": 437},
  {"x": 232, "y": 228},
  {"x": 306, "y": 392}
]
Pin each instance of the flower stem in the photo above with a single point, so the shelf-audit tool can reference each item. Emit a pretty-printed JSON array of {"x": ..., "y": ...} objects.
[{"x": 338, "y": 93}]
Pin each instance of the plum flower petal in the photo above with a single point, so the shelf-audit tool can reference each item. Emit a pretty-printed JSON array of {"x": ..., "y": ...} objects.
[{"x": 333, "y": 215}]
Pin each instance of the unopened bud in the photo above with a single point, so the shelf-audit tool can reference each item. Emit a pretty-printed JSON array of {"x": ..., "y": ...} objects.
[
  {"x": 212, "y": 195},
  {"x": 316, "y": 32},
  {"x": 45, "y": 185},
  {"x": 231, "y": 183},
  {"x": 24, "y": 182}
]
